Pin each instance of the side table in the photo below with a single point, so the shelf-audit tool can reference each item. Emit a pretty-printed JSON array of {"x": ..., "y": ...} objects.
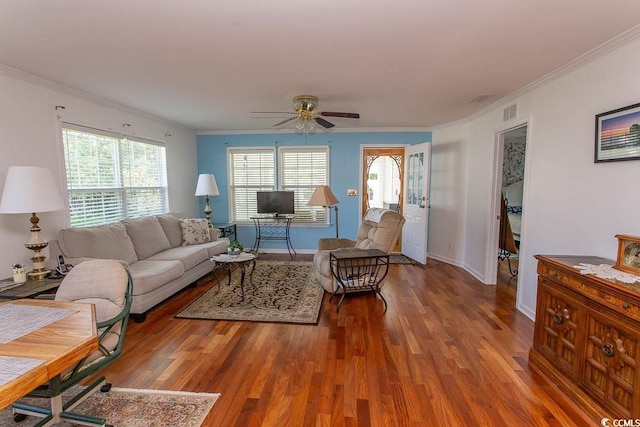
[
  {"x": 358, "y": 270},
  {"x": 227, "y": 230},
  {"x": 242, "y": 260},
  {"x": 28, "y": 289}
]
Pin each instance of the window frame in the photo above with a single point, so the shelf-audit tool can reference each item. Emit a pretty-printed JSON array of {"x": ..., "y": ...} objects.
[
  {"x": 304, "y": 215},
  {"x": 123, "y": 196}
]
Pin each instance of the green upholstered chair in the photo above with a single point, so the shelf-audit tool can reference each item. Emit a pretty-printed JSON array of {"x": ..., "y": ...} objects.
[{"x": 107, "y": 285}]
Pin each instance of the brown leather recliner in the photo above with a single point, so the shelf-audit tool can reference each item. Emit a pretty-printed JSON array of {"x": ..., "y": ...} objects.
[{"x": 380, "y": 229}]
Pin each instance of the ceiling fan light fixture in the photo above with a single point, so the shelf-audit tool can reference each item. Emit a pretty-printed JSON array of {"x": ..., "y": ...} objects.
[
  {"x": 306, "y": 117},
  {"x": 305, "y": 103}
]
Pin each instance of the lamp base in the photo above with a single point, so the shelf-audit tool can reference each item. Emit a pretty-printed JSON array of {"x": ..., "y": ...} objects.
[
  {"x": 37, "y": 244},
  {"x": 38, "y": 275}
]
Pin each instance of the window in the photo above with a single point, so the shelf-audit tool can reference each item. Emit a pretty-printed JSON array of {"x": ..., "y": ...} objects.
[
  {"x": 111, "y": 177},
  {"x": 298, "y": 169},
  {"x": 250, "y": 170}
]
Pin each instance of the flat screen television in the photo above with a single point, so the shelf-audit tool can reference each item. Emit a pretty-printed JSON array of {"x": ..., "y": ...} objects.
[{"x": 275, "y": 202}]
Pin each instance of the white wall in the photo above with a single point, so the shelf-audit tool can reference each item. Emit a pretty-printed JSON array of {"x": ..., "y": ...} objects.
[
  {"x": 448, "y": 194},
  {"x": 29, "y": 136},
  {"x": 571, "y": 204}
]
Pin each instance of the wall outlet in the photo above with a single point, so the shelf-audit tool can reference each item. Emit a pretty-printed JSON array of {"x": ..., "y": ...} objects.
[{"x": 450, "y": 246}]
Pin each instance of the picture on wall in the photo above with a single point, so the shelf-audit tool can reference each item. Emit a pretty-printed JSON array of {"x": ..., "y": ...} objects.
[{"x": 618, "y": 134}]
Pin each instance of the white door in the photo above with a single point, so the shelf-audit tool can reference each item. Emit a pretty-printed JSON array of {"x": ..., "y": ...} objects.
[{"x": 416, "y": 202}]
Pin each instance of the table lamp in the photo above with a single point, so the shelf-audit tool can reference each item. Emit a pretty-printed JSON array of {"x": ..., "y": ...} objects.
[
  {"x": 322, "y": 196},
  {"x": 207, "y": 187},
  {"x": 31, "y": 189}
]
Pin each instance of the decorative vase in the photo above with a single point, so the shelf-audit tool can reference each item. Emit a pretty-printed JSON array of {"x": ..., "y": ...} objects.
[
  {"x": 19, "y": 275},
  {"x": 234, "y": 251}
]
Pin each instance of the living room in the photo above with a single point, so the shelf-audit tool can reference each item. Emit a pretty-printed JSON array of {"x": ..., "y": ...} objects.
[{"x": 574, "y": 206}]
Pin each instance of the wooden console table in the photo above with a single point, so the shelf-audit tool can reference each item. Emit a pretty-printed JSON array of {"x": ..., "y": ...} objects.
[
  {"x": 273, "y": 227},
  {"x": 587, "y": 337}
]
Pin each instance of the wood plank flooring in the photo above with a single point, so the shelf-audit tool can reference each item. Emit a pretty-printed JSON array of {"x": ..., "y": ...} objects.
[{"x": 448, "y": 351}]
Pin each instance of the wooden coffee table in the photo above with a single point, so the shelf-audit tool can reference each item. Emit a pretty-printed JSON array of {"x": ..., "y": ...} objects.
[{"x": 242, "y": 261}]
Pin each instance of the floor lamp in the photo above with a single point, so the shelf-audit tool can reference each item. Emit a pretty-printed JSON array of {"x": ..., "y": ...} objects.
[
  {"x": 207, "y": 187},
  {"x": 323, "y": 196},
  {"x": 31, "y": 189}
]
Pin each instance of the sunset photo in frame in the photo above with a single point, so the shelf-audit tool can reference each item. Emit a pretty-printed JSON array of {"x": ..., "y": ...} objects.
[{"x": 618, "y": 134}]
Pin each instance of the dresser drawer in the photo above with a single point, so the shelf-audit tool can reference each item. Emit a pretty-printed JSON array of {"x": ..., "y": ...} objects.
[{"x": 594, "y": 291}]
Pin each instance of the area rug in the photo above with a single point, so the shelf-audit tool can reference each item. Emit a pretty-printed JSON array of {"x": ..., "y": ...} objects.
[
  {"x": 282, "y": 292},
  {"x": 133, "y": 408},
  {"x": 399, "y": 259}
]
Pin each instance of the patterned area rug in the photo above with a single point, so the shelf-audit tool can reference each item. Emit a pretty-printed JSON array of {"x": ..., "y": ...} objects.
[
  {"x": 283, "y": 292},
  {"x": 134, "y": 408},
  {"x": 399, "y": 259}
]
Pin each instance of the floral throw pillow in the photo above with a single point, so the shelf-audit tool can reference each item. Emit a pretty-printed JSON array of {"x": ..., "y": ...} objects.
[{"x": 194, "y": 231}]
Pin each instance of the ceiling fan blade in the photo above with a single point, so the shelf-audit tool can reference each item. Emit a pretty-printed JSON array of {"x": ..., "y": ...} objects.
[
  {"x": 345, "y": 115},
  {"x": 324, "y": 123},
  {"x": 272, "y": 112},
  {"x": 285, "y": 121}
]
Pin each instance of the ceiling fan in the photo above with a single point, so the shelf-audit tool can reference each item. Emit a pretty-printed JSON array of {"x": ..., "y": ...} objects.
[{"x": 306, "y": 115}]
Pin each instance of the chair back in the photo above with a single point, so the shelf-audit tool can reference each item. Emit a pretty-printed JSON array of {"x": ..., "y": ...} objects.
[
  {"x": 108, "y": 285},
  {"x": 379, "y": 230}
]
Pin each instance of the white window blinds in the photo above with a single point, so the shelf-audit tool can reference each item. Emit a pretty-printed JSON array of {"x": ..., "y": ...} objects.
[
  {"x": 250, "y": 170},
  {"x": 111, "y": 177},
  {"x": 298, "y": 169},
  {"x": 302, "y": 169}
]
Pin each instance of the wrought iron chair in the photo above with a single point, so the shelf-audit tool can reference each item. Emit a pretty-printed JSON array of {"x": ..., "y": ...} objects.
[{"x": 107, "y": 285}]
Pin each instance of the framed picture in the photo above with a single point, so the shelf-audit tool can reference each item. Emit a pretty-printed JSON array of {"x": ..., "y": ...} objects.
[
  {"x": 628, "y": 259},
  {"x": 618, "y": 134}
]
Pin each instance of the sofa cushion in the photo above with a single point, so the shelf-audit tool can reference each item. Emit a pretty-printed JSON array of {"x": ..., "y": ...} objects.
[
  {"x": 109, "y": 241},
  {"x": 216, "y": 247},
  {"x": 171, "y": 226},
  {"x": 150, "y": 275},
  {"x": 194, "y": 231},
  {"x": 147, "y": 236},
  {"x": 189, "y": 256}
]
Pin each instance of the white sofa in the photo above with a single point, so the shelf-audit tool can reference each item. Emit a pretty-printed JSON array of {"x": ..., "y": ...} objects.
[{"x": 151, "y": 248}]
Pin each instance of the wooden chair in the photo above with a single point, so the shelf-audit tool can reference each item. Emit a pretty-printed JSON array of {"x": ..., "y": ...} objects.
[{"x": 507, "y": 247}]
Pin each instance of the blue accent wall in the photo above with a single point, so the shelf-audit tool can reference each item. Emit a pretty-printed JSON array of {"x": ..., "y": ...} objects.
[{"x": 344, "y": 165}]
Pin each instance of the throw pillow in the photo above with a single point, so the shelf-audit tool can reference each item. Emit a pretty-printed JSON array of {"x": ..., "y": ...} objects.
[{"x": 194, "y": 231}]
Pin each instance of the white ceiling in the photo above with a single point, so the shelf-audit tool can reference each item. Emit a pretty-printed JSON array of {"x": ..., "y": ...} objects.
[{"x": 399, "y": 63}]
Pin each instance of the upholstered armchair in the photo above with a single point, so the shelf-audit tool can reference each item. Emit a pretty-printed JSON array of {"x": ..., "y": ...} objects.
[
  {"x": 380, "y": 229},
  {"x": 107, "y": 285}
]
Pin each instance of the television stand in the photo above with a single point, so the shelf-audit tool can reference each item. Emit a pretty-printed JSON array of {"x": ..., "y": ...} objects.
[{"x": 273, "y": 227}]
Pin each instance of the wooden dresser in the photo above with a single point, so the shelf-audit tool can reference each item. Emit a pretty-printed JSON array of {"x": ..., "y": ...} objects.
[{"x": 587, "y": 337}]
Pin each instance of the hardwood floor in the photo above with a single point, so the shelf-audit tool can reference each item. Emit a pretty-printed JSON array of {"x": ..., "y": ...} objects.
[{"x": 448, "y": 351}]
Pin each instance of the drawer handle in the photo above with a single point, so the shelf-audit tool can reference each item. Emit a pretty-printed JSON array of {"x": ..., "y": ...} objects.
[
  {"x": 625, "y": 305},
  {"x": 558, "y": 318},
  {"x": 607, "y": 349}
]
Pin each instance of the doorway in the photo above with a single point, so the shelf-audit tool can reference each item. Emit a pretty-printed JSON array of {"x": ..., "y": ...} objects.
[
  {"x": 383, "y": 181},
  {"x": 509, "y": 210}
]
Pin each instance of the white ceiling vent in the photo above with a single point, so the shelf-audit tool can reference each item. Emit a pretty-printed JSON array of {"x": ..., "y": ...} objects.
[{"x": 510, "y": 113}]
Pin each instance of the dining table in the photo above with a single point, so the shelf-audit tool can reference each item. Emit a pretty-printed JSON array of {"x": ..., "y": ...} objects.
[{"x": 39, "y": 340}]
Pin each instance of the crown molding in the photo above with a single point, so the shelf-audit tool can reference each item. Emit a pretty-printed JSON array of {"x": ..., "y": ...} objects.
[
  {"x": 67, "y": 90},
  {"x": 587, "y": 57},
  {"x": 321, "y": 132}
]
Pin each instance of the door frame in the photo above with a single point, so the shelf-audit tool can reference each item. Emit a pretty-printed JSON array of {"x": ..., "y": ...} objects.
[
  {"x": 361, "y": 182},
  {"x": 493, "y": 225}
]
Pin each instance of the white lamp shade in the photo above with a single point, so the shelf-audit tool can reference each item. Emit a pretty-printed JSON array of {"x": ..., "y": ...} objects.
[
  {"x": 30, "y": 189},
  {"x": 207, "y": 185},
  {"x": 323, "y": 196}
]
